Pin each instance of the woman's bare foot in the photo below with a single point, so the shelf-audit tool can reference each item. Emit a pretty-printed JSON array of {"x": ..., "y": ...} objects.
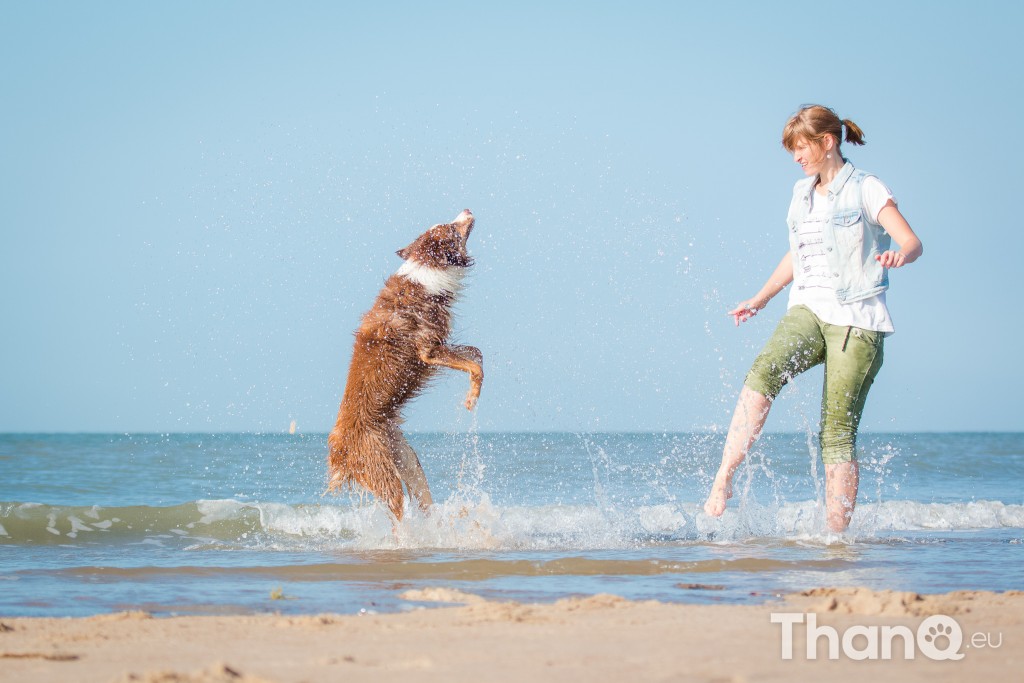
[{"x": 721, "y": 491}]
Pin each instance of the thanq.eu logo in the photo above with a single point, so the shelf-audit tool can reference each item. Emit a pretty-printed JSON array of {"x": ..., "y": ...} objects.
[{"x": 938, "y": 637}]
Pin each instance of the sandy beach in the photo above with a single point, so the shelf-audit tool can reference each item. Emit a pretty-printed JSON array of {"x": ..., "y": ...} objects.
[{"x": 598, "y": 638}]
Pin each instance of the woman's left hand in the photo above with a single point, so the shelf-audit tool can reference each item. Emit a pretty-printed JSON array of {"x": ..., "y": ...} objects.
[
  {"x": 892, "y": 259},
  {"x": 910, "y": 247}
]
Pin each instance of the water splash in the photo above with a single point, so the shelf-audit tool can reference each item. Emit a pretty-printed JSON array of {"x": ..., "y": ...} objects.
[{"x": 478, "y": 523}]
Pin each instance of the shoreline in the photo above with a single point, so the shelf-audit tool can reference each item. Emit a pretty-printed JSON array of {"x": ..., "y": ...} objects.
[{"x": 602, "y": 637}]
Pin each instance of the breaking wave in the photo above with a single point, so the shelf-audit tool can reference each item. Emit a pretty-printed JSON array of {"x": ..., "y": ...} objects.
[{"x": 472, "y": 524}]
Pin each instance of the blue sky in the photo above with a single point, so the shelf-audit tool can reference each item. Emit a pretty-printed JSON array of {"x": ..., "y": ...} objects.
[{"x": 200, "y": 200}]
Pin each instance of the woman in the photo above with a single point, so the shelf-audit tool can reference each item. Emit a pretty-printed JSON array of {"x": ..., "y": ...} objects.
[{"x": 842, "y": 222}]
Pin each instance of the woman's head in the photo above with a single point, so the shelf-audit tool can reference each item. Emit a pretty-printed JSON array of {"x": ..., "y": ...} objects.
[
  {"x": 813, "y": 134},
  {"x": 814, "y": 123}
]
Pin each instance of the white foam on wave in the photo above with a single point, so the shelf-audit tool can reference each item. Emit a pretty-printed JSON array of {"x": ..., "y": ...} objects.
[
  {"x": 478, "y": 523},
  {"x": 983, "y": 514},
  {"x": 222, "y": 510}
]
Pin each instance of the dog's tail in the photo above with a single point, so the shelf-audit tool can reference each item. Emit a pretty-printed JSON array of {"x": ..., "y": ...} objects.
[{"x": 367, "y": 459}]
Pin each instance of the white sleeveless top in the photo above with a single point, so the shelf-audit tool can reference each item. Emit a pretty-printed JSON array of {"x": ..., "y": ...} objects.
[{"x": 811, "y": 282}]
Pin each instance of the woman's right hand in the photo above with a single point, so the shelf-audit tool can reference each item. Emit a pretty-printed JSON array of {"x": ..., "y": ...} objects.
[
  {"x": 746, "y": 310},
  {"x": 782, "y": 276}
]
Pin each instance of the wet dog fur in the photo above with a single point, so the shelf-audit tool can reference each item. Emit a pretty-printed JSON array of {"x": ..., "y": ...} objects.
[{"x": 401, "y": 343}]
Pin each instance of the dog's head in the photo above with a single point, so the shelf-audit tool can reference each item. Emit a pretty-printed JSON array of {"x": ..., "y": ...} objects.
[{"x": 444, "y": 245}]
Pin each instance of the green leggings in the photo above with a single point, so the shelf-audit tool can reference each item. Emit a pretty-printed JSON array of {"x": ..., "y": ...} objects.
[{"x": 852, "y": 358}]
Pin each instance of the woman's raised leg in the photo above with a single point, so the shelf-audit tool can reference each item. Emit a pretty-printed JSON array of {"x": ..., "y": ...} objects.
[{"x": 747, "y": 421}]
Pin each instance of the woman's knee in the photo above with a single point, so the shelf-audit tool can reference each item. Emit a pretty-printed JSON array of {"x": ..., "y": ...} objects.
[{"x": 838, "y": 444}]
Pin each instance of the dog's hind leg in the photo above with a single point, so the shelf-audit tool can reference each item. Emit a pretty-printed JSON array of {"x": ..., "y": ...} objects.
[{"x": 412, "y": 473}]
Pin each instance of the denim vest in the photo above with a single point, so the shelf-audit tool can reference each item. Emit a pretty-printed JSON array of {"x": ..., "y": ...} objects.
[{"x": 851, "y": 238}]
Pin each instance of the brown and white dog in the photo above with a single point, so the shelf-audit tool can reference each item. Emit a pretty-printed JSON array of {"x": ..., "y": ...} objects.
[{"x": 400, "y": 345}]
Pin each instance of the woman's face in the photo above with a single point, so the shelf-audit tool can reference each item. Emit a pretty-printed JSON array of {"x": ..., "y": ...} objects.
[{"x": 809, "y": 155}]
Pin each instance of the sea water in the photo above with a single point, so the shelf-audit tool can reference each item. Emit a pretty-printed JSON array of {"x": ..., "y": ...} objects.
[{"x": 239, "y": 523}]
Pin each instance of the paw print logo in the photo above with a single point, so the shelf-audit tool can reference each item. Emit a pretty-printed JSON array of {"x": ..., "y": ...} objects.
[
  {"x": 939, "y": 637},
  {"x": 940, "y": 631}
]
